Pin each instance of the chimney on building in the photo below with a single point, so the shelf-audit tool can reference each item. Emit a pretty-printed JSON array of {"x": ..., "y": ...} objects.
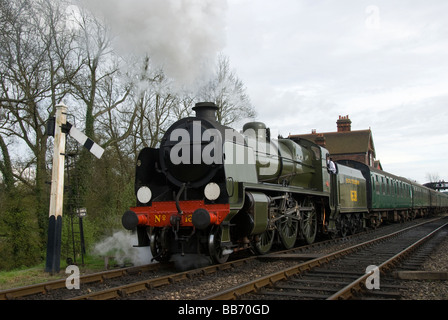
[
  {"x": 320, "y": 140},
  {"x": 344, "y": 124}
]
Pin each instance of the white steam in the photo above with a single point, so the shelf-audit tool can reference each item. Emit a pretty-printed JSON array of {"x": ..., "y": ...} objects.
[
  {"x": 120, "y": 246},
  {"x": 182, "y": 36}
]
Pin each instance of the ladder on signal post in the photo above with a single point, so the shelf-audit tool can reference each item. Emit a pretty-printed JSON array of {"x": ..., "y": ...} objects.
[{"x": 75, "y": 244}]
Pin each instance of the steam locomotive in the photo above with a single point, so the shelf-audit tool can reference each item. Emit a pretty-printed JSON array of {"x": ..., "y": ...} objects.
[{"x": 210, "y": 190}]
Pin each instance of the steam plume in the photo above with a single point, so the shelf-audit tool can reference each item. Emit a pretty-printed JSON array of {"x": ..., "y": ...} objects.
[
  {"x": 121, "y": 246},
  {"x": 182, "y": 36}
]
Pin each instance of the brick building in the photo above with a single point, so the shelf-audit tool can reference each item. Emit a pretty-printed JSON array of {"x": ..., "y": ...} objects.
[{"x": 346, "y": 144}]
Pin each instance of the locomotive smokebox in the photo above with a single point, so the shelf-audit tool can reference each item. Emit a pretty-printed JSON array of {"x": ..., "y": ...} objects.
[{"x": 206, "y": 111}]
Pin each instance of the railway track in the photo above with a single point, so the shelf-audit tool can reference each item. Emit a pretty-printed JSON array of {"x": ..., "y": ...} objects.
[
  {"x": 156, "y": 282},
  {"x": 343, "y": 274},
  {"x": 57, "y": 289},
  {"x": 99, "y": 281}
]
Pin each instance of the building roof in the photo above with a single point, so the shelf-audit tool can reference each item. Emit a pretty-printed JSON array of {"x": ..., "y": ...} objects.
[{"x": 349, "y": 142}]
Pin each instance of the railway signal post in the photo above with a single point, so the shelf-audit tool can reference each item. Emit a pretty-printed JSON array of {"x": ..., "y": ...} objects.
[
  {"x": 59, "y": 127},
  {"x": 57, "y": 194}
]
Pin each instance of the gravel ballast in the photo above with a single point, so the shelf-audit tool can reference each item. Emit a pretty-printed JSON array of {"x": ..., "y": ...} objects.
[{"x": 430, "y": 289}]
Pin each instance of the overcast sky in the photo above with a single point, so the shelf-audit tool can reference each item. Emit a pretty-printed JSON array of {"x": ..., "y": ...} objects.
[
  {"x": 383, "y": 63},
  {"x": 305, "y": 62}
]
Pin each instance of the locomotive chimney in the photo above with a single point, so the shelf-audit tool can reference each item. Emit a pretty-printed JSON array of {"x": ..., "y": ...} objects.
[{"x": 206, "y": 111}]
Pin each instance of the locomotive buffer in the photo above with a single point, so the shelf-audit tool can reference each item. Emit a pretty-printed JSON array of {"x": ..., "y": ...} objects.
[{"x": 58, "y": 127}]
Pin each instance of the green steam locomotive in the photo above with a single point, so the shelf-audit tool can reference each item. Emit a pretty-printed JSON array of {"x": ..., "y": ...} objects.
[{"x": 210, "y": 190}]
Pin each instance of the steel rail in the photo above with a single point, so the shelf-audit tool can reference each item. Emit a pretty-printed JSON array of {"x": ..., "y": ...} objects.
[
  {"x": 359, "y": 284},
  {"x": 46, "y": 287},
  {"x": 123, "y": 291},
  {"x": 269, "y": 280},
  {"x": 148, "y": 284}
]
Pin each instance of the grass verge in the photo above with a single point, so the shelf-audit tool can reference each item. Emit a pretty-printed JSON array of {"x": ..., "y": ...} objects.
[{"x": 28, "y": 276}]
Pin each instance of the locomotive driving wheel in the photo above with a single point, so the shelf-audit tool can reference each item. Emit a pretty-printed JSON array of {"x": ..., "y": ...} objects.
[
  {"x": 288, "y": 225},
  {"x": 308, "y": 223},
  {"x": 264, "y": 241},
  {"x": 159, "y": 243},
  {"x": 214, "y": 245},
  {"x": 288, "y": 228}
]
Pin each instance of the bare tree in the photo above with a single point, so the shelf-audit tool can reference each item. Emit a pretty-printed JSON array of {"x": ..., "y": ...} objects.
[
  {"x": 32, "y": 80},
  {"x": 6, "y": 166},
  {"x": 99, "y": 91},
  {"x": 433, "y": 177},
  {"x": 229, "y": 94},
  {"x": 159, "y": 104},
  {"x": 154, "y": 101},
  {"x": 45, "y": 61}
]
